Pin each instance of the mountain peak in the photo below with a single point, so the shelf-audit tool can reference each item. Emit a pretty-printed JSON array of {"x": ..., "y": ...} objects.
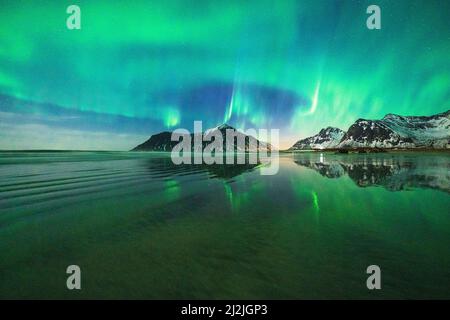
[
  {"x": 392, "y": 116},
  {"x": 163, "y": 142},
  {"x": 221, "y": 127},
  {"x": 225, "y": 126},
  {"x": 327, "y": 138},
  {"x": 330, "y": 129}
]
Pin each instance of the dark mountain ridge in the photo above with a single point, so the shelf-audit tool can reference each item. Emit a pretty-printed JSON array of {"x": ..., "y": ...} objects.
[
  {"x": 162, "y": 141},
  {"x": 391, "y": 132}
]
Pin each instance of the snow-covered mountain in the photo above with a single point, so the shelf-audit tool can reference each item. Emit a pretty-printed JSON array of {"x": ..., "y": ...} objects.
[
  {"x": 251, "y": 144},
  {"x": 327, "y": 138},
  {"x": 394, "y": 131},
  {"x": 391, "y": 132},
  {"x": 162, "y": 141}
]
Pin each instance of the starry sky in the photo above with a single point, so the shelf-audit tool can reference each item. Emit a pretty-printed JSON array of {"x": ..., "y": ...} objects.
[{"x": 140, "y": 67}]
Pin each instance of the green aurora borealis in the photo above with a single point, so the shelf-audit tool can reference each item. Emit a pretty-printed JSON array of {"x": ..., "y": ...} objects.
[{"x": 140, "y": 67}]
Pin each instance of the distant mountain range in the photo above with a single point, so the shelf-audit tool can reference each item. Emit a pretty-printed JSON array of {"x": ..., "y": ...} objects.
[
  {"x": 391, "y": 132},
  {"x": 162, "y": 141}
]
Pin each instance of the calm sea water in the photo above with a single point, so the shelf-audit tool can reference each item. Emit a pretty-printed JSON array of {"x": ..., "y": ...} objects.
[{"x": 140, "y": 227}]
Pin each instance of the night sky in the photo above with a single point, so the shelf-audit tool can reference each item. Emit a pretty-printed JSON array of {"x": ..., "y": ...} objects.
[{"x": 140, "y": 67}]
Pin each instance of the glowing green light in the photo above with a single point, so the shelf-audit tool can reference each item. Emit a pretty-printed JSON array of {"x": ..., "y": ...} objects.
[{"x": 315, "y": 201}]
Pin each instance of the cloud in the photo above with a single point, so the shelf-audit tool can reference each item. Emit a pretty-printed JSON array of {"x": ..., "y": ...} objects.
[
  {"x": 36, "y": 136},
  {"x": 24, "y": 112}
]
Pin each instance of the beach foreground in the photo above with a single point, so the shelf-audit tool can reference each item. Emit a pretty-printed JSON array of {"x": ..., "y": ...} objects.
[{"x": 140, "y": 227}]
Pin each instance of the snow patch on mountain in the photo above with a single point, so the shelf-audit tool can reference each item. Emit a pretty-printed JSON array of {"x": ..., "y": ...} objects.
[
  {"x": 327, "y": 138},
  {"x": 395, "y": 131}
]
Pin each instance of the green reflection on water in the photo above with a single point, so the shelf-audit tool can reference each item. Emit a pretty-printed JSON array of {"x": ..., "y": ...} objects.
[
  {"x": 316, "y": 204},
  {"x": 140, "y": 227}
]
